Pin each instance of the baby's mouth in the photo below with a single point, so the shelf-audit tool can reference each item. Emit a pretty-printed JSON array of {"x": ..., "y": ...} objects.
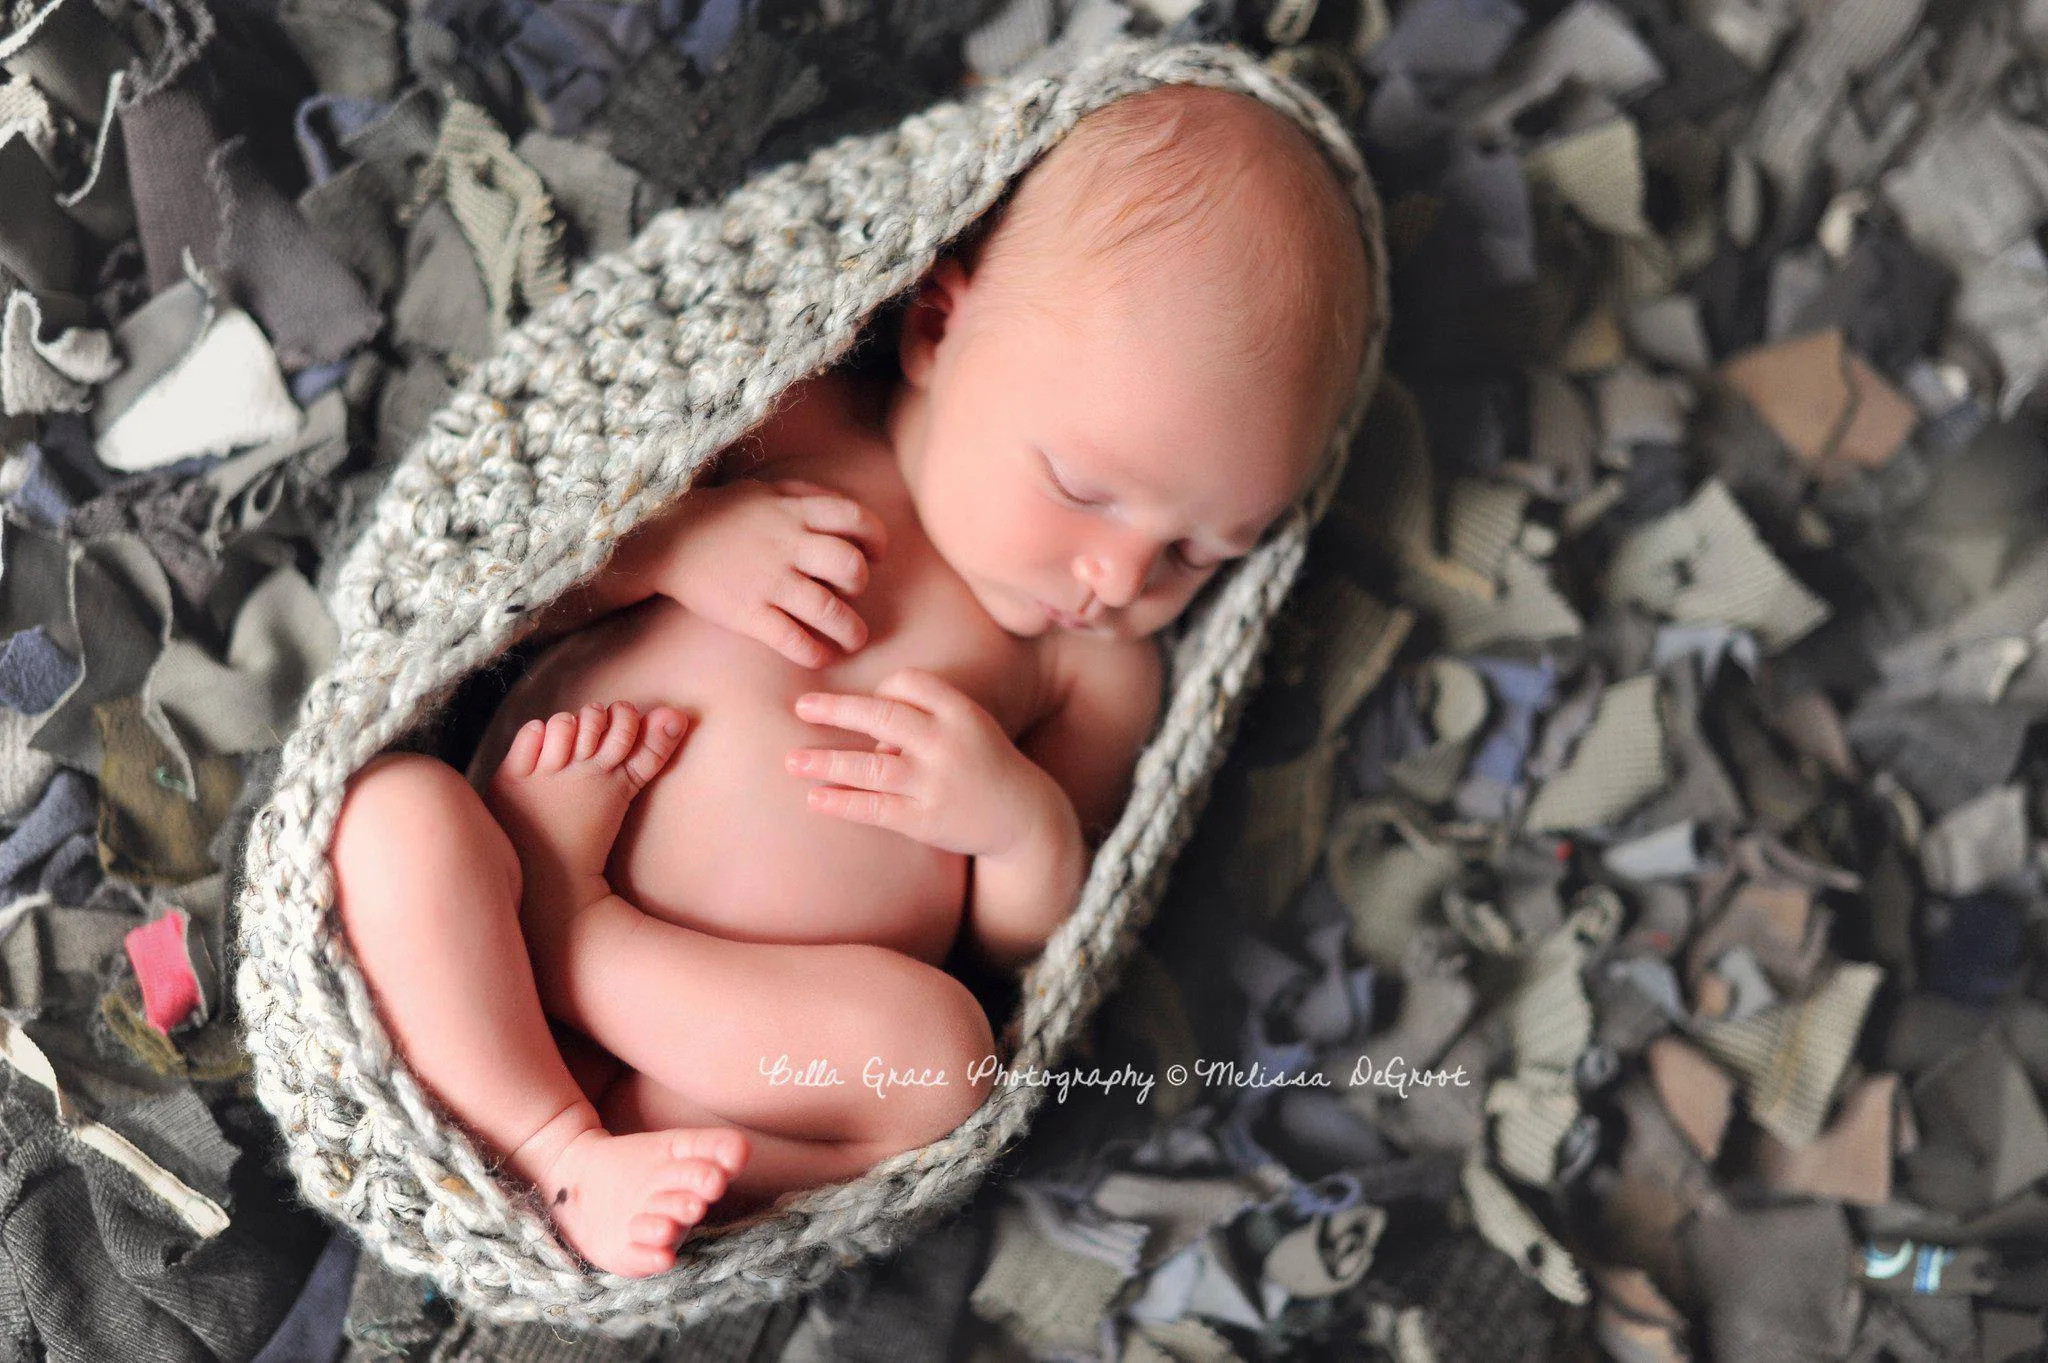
[
  {"x": 1096, "y": 624},
  {"x": 1067, "y": 619}
]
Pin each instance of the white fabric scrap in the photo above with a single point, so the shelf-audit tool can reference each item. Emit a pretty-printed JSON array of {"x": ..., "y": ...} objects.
[
  {"x": 1509, "y": 1228},
  {"x": 2003, "y": 305},
  {"x": 1972, "y": 187},
  {"x": 1009, "y": 38},
  {"x": 1613, "y": 769},
  {"x": 225, "y": 393},
  {"x": 195, "y": 1209},
  {"x": 1638, "y": 408},
  {"x": 1599, "y": 172},
  {"x": 1844, "y": 40},
  {"x": 1977, "y": 844}
]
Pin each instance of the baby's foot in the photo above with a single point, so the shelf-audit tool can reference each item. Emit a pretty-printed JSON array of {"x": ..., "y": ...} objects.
[
  {"x": 625, "y": 1202},
  {"x": 563, "y": 789}
]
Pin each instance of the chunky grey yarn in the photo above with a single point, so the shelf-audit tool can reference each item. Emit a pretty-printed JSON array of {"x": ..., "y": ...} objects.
[{"x": 601, "y": 407}]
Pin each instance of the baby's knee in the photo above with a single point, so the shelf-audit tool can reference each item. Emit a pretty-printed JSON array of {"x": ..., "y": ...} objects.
[
  {"x": 937, "y": 1031},
  {"x": 409, "y": 821}
]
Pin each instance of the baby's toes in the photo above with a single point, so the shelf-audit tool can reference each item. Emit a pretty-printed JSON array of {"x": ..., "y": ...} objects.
[
  {"x": 720, "y": 1146},
  {"x": 705, "y": 1179},
  {"x": 593, "y": 722},
  {"x": 657, "y": 1230},
  {"x": 645, "y": 1259},
  {"x": 558, "y": 743},
  {"x": 525, "y": 750},
  {"x": 621, "y": 733},
  {"x": 659, "y": 737},
  {"x": 686, "y": 1201}
]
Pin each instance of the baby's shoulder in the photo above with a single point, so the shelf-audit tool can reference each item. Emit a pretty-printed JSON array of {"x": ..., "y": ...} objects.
[
  {"x": 1105, "y": 708},
  {"x": 823, "y": 416},
  {"x": 1106, "y": 688}
]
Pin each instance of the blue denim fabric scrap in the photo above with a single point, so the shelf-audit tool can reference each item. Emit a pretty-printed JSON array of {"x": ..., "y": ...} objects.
[{"x": 34, "y": 672}]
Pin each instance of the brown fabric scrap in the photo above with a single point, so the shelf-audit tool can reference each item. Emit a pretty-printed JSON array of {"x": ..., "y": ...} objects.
[
  {"x": 1852, "y": 1159},
  {"x": 1698, "y": 1094},
  {"x": 152, "y": 828},
  {"x": 1823, "y": 400},
  {"x": 1777, "y": 922}
]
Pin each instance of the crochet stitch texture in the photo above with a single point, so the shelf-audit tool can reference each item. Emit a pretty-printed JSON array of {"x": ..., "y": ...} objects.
[{"x": 597, "y": 410}]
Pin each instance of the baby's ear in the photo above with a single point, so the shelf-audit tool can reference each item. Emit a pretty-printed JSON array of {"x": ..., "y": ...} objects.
[{"x": 925, "y": 321}]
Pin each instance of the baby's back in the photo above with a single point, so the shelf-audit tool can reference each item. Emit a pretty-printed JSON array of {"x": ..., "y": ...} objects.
[{"x": 723, "y": 840}]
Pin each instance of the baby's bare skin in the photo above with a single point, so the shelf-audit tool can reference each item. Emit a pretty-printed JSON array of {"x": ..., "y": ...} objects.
[
  {"x": 747, "y": 925},
  {"x": 590, "y": 956},
  {"x": 560, "y": 792},
  {"x": 724, "y": 840}
]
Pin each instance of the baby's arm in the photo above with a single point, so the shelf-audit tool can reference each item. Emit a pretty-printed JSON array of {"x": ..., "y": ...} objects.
[
  {"x": 761, "y": 558},
  {"x": 945, "y": 773},
  {"x": 1089, "y": 745}
]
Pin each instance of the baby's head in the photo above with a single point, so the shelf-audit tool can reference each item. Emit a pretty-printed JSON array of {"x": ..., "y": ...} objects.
[{"x": 1136, "y": 365}]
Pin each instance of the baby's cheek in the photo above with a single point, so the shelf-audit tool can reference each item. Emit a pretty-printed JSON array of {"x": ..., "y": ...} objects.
[{"x": 1164, "y": 613}]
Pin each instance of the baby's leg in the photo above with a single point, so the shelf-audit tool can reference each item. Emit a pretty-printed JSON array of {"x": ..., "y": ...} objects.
[
  {"x": 629, "y": 1100},
  {"x": 776, "y": 1164},
  {"x": 428, "y": 889},
  {"x": 705, "y": 1019},
  {"x": 791, "y": 1044}
]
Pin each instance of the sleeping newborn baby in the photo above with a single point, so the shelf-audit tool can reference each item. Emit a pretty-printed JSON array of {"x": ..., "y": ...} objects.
[{"x": 877, "y": 686}]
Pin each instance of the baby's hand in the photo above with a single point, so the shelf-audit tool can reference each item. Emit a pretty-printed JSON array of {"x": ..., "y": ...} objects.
[
  {"x": 943, "y": 773},
  {"x": 763, "y": 559}
]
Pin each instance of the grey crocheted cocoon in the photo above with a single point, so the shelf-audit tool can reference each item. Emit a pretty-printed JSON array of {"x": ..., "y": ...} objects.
[{"x": 600, "y": 408}]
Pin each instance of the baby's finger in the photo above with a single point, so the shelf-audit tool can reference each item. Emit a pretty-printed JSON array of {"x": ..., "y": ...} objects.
[
  {"x": 892, "y": 721},
  {"x": 835, "y": 515},
  {"x": 771, "y": 627},
  {"x": 810, "y": 601},
  {"x": 842, "y": 767},
  {"x": 831, "y": 559},
  {"x": 896, "y": 812},
  {"x": 926, "y": 690}
]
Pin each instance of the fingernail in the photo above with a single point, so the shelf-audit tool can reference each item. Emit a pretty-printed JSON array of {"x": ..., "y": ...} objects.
[{"x": 671, "y": 727}]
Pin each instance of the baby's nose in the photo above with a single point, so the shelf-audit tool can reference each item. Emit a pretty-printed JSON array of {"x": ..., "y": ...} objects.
[{"x": 1118, "y": 579}]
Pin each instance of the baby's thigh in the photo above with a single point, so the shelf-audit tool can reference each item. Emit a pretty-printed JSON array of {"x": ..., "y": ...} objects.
[
  {"x": 803, "y": 1039},
  {"x": 412, "y": 846}
]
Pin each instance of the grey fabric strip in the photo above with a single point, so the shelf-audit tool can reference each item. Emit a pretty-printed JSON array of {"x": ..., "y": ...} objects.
[
  {"x": 1617, "y": 763},
  {"x": 1706, "y": 563}
]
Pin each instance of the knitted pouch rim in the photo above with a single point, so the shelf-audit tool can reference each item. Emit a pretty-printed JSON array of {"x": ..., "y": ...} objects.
[{"x": 511, "y": 498}]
